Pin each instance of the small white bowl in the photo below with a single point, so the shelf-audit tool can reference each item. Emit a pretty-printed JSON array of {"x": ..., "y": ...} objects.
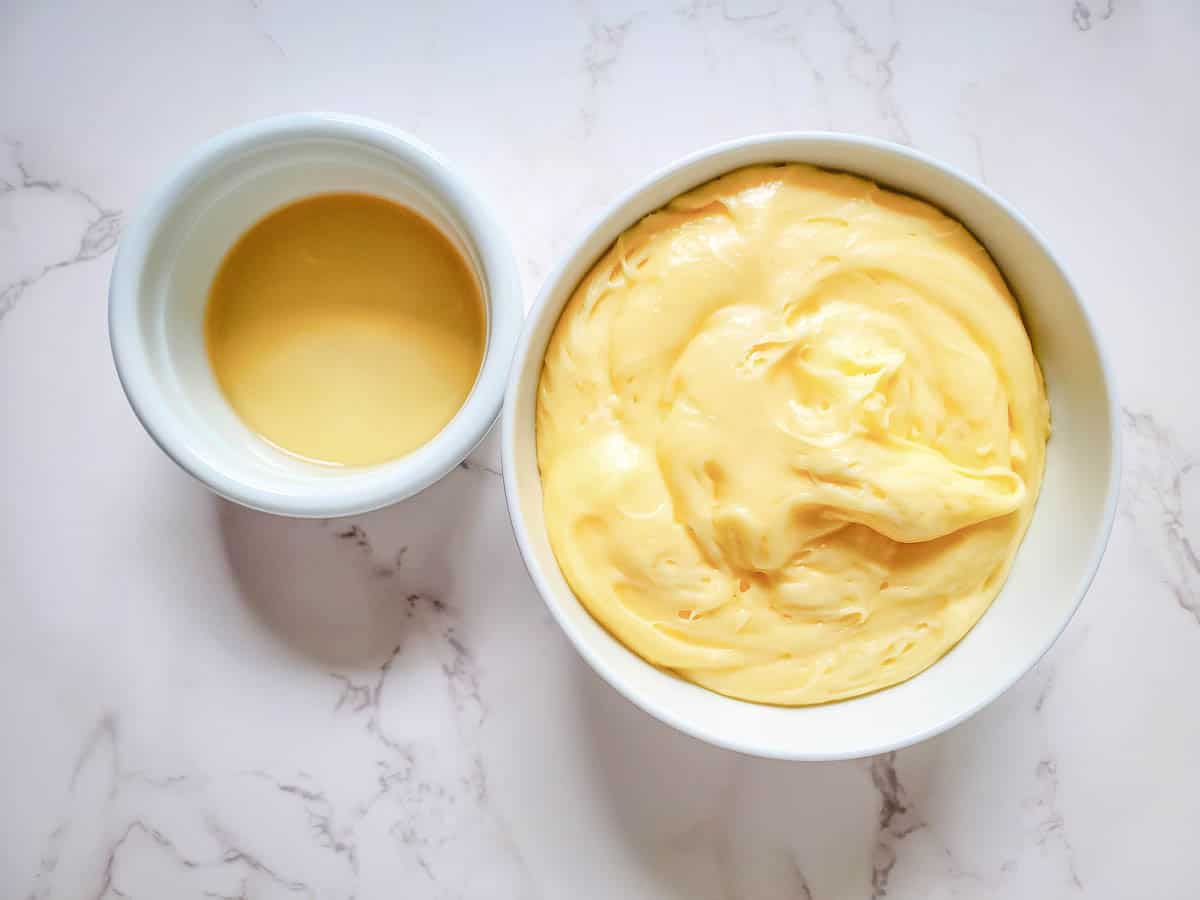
[
  {"x": 171, "y": 252},
  {"x": 1054, "y": 566}
]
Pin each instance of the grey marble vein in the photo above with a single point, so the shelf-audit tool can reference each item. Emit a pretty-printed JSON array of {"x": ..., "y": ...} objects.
[
  {"x": 102, "y": 735},
  {"x": 1053, "y": 825},
  {"x": 107, "y": 875},
  {"x": 435, "y": 798},
  {"x": 883, "y": 63},
  {"x": 977, "y": 145},
  {"x": 256, "y": 16},
  {"x": 355, "y": 535},
  {"x": 897, "y": 820},
  {"x": 1044, "y": 693},
  {"x": 462, "y": 678},
  {"x": 1084, "y": 18},
  {"x": 734, "y": 11},
  {"x": 102, "y": 228},
  {"x": 473, "y": 465},
  {"x": 366, "y": 697},
  {"x": 105, "y": 732},
  {"x": 603, "y": 48},
  {"x": 600, "y": 54},
  {"x": 1155, "y": 477},
  {"x": 763, "y": 23},
  {"x": 321, "y": 815},
  {"x": 801, "y": 889},
  {"x": 233, "y": 853},
  {"x": 102, "y": 747},
  {"x": 48, "y": 863}
]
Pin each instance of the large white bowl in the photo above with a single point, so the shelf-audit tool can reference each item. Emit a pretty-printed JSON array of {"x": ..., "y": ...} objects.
[
  {"x": 1053, "y": 568},
  {"x": 169, "y": 255}
]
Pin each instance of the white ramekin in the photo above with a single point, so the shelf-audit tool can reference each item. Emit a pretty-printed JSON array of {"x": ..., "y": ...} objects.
[
  {"x": 1054, "y": 566},
  {"x": 171, "y": 251}
]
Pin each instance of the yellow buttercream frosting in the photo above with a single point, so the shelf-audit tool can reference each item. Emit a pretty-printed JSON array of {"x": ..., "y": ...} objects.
[{"x": 791, "y": 431}]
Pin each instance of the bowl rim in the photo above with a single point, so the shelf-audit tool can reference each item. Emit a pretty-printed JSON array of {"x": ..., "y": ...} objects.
[
  {"x": 628, "y": 208},
  {"x": 372, "y": 487}
]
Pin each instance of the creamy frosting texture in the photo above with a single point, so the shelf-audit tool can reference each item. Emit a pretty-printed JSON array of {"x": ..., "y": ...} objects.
[{"x": 791, "y": 432}]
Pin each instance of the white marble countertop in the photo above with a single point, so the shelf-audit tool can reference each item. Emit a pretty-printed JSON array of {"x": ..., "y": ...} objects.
[{"x": 204, "y": 702}]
